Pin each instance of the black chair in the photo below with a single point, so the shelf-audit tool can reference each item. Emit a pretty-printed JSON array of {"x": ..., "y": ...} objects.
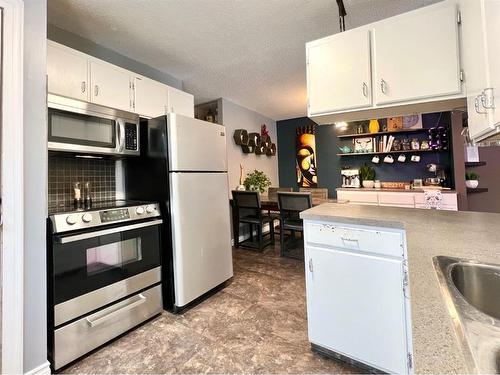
[
  {"x": 291, "y": 204},
  {"x": 249, "y": 211}
]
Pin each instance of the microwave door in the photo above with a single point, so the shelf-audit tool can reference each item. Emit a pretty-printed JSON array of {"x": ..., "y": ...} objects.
[{"x": 92, "y": 133}]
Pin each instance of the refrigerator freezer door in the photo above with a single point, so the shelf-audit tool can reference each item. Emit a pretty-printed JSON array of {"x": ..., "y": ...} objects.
[
  {"x": 201, "y": 236},
  {"x": 196, "y": 145}
]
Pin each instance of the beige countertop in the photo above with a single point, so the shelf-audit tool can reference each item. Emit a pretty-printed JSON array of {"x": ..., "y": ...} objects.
[
  {"x": 469, "y": 235},
  {"x": 364, "y": 190}
]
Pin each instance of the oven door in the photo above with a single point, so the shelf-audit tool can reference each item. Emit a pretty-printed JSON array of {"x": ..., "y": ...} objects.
[{"x": 94, "y": 268}]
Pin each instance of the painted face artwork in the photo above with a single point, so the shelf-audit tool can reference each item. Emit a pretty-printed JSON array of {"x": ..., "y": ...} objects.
[{"x": 306, "y": 157}]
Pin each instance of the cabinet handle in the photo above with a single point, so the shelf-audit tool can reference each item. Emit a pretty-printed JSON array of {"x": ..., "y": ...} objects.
[
  {"x": 96, "y": 90},
  {"x": 488, "y": 98},
  {"x": 383, "y": 86},
  {"x": 84, "y": 86},
  {"x": 478, "y": 103},
  {"x": 365, "y": 89},
  {"x": 310, "y": 265}
]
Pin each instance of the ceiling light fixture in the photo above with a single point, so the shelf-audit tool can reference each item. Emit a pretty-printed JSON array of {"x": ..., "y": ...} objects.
[{"x": 342, "y": 14}]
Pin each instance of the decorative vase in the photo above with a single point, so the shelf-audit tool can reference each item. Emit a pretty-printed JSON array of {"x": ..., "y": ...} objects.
[
  {"x": 368, "y": 184},
  {"x": 374, "y": 126},
  {"x": 471, "y": 184}
]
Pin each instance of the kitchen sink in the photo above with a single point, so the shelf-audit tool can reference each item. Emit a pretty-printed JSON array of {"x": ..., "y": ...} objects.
[
  {"x": 479, "y": 285},
  {"x": 472, "y": 293}
]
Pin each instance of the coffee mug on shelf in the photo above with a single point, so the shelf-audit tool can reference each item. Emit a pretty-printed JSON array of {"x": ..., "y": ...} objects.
[
  {"x": 389, "y": 159},
  {"x": 415, "y": 158},
  {"x": 402, "y": 158},
  {"x": 376, "y": 159}
]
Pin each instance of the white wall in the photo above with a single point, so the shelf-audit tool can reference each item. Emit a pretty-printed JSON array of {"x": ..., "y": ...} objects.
[
  {"x": 35, "y": 184},
  {"x": 237, "y": 117}
]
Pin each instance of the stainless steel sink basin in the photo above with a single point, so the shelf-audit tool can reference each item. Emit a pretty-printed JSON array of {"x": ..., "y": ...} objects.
[
  {"x": 479, "y": 285},
  {"x": 472, "y": 293}
]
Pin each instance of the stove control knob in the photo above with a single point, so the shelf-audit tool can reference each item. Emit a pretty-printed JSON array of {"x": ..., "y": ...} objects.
[
  {"x": 150, "y": 209},
  {"x": 139, "y": 210},
  {"x": 71, "y": 219},
  {"x": 87, "y": 218}
]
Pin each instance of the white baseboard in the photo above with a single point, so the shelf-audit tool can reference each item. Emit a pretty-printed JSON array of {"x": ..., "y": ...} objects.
[{"x": 43, "y": 369}]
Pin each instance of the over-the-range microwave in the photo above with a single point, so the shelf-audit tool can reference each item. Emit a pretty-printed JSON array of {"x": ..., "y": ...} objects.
[{"x": 80, "y": 127}]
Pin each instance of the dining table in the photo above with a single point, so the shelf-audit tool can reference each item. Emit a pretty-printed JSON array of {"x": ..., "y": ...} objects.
[{"x": 269, "y": 203}]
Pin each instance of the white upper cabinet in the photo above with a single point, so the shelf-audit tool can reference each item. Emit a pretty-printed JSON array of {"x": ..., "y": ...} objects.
[
  {"x": 403, "y": 64},
  {"x": 111, "y": 86},
  {"x": 67, "y": 71},
  {"x": 417, "y": 56},
  {"x": 481, "y": 55},
  {"x": 339, "y": 73},
  {"x": 76, "y": 75},
  {"x": 151, "y": 97},
  {"x": 180, "y": 102}
]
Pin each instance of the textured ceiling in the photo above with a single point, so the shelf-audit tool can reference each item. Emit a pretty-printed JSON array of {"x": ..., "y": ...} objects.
[{"x": 249, "y": 51}]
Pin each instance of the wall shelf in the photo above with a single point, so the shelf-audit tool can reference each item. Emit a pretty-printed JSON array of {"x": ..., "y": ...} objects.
[
  {"x": 390, "y": 152},
  {"x": 471, "y": 164},
  {"x": 382, "y": 133},
  {"x": 476, "y": 190}
]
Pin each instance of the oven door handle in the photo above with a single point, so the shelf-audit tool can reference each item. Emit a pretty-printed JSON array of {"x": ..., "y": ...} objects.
[
  {"x": 85, "y": 236},
  {"x": 95, "y": 322}
]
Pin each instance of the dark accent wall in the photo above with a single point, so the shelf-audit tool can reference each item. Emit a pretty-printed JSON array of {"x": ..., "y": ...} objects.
[
  {"x": 327, "y": 144},
  {"x": 489, "y": 177},
  {"x": 329, "y": 163}
]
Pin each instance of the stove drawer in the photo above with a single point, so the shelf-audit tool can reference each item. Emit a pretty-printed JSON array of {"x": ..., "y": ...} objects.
[{"x": 86, "y": 334}]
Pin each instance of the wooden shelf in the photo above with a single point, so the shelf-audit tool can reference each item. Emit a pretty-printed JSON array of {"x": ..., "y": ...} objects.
[
  {"x": 390, "y": 152},
  {"x": 382, "y": 133},
  {"x": 477, "y": 190},
  {"x": 471, "y": 164}
]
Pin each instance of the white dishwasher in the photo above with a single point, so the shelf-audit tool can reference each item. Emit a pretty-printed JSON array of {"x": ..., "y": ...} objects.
[{"x": 358, "y": 295}]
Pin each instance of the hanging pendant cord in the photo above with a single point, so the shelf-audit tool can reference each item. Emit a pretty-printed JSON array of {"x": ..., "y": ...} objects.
[{"x": 342, "y": 14}]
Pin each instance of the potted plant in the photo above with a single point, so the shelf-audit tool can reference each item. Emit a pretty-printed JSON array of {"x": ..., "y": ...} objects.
[
  {"x": 257, "y": 181},
  {"x": 471, "y": 180},
  {"x": 367, "y": 174}
]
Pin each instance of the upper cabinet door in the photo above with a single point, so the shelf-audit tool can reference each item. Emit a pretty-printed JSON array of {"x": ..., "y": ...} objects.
[
  {"x": 180, "y": 102},
  {"x": 492, "y": 30},
  {"x": 151, "y": 97},
  {"x": 67, "y": 72},
  {"x": 338, "y": 73},
  {"x": 111, "y": 86},
  {"x": 416, "y": 55},
  {"x": 481, "y": 54}
]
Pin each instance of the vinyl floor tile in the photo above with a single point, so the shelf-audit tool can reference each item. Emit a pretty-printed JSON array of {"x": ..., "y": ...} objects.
[{"x": 256, "y": 325}]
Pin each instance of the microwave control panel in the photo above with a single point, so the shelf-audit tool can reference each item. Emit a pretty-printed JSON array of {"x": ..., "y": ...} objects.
[{"x": 130, "y": 136}]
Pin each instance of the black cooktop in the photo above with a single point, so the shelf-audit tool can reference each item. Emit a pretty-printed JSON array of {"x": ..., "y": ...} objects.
[{"x": 103, "y": 205}]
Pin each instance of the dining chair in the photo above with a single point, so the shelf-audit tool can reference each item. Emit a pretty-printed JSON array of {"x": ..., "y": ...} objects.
[
  {"x": 249, "y": 212},
  {"x": 290, "y": 205},
  {"x": 316, "y": 193},
  {"x": 272, "y": 192}
]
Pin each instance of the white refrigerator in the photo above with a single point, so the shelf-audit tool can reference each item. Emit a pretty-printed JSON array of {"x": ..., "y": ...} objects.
[{"x": 199, "y": 207}]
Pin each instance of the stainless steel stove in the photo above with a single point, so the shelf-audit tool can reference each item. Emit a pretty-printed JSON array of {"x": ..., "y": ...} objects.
[
  {"x": 104, "y": 274},
  {"x": 68, "y": 218}
]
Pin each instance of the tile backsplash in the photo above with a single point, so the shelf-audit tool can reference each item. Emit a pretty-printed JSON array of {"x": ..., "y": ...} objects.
[{"x": 64, "y": 171}]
